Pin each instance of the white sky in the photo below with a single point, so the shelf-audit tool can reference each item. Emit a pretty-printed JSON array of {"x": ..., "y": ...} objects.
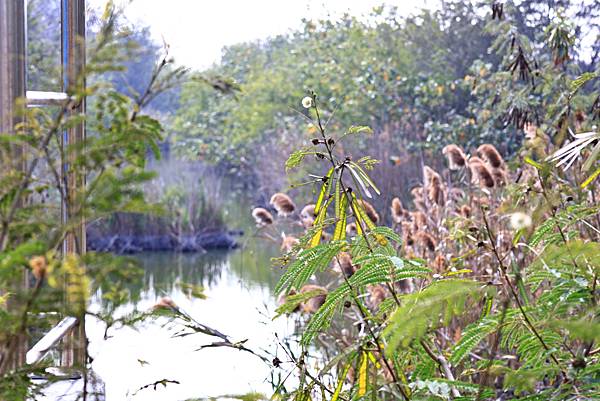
[{"x": 197, "y": 30}]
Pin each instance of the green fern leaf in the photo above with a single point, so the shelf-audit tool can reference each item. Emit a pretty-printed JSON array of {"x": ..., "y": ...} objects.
[{"x": 430, "y": 308}]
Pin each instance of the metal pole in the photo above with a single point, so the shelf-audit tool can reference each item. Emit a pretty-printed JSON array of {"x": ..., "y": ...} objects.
[
  {"x": 73, "y": 62},
  {"x": 12, "y": 63},
  {"x": 12, "y": 104}
]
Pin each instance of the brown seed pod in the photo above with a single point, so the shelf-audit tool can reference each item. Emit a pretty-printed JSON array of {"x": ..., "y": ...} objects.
[
  {"x": 343, "y": 263},
  {"x": 308, "y": 211},
  {"x": 440, "y": 263},
  {"x": 481, "y": 175},
  {"x": 283, "y": 204},
  {"x": 490, "y": 154},
  {"x": 465, "y": 211},
  {"x": 307, "y": 222},
  {"x": 288, "y": 242},
  {"x": 419, "y": 220},
  {"x": 417, "y": 192},
  {"x": 437, "y": 194},
  {"x": 377, "y": 294},
  {"x": 456, "y": 157},
  {"x": 351, "y": 230},
  {"x": 398, "y": 211},
  {"x": 313, "y": 304},
  {"x": 500, "y": 176},
  {"x": 369, "y": 210},
  {"x": 426, "y": 241},
  {"x": 431, "y": 176},
  {"x": 407, "y": 231},
  {"x": 262, "y": 217}
]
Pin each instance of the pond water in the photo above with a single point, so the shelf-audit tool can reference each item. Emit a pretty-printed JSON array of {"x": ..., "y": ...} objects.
[{"x": 240, "y": 303}]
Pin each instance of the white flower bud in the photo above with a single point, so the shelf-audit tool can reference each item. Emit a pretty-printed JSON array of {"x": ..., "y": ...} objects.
[
  {"x": 520, "y": 220},
  {"x": 307, "y": 102}
]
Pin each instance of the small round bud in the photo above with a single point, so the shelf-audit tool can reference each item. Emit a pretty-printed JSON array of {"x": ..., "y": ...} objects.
[
  {"x": 315, "y": 141},
  {"x": 307, "y": 102}
]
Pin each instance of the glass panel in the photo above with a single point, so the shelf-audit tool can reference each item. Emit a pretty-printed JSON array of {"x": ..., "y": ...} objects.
[{"x": 43, "y": 45}]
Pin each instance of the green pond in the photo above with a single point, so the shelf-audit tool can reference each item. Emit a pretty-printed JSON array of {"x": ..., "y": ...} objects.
[{"x": 239, "y": 288}]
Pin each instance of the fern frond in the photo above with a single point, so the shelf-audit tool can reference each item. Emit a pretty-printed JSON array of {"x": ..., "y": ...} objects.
[
  {"x": 293, "y": 301},
  {"x": 474, "y": 334},
  {"x": 306, "y": 263},
  {"x": 376, "y": 269},
  {"x": 430, "y": 308}
]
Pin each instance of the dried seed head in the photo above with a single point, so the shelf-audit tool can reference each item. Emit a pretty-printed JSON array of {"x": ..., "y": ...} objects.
[
  {"x": 481, "y": 175},
  {"x": 490, "y": 154},
  {"x": 417, "y": 192},
  {"x": 283, "y": 204},
  {"x": 419, "y": 220},
  {"x": 500, "y": 176},
  {"x": 520, "y": 220},
  {"x": 307, "y": 102},
  {"x": 465, "y": 211},
  {"x": 397, "y": 210},
  {"x": 351, "y": 230},
  {"x": 262, "y": 217},
  {"x": 456, "y": 157},
  {"x": 288, "y": 242},
  {"x": 313, "y": 304},
  {"x": 343, "y": 263},
  {"x": 308, "y": 211},
  {"x": 425, "y": 240}
]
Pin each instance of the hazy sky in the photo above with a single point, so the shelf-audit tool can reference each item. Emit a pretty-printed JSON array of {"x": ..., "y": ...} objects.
[{"x": 197, "y": 30}]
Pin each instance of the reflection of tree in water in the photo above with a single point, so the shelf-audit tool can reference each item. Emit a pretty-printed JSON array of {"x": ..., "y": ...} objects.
[{"x": 163, "y": 270}]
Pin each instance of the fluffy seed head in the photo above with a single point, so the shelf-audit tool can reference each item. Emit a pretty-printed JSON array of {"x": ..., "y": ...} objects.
[
  {"x": 397, "y": 210},
  {"x": 425, "y": 240},
  {"x": 490, "y": 154},
  {"x": 313, "y": 304},
  {"x": 262, "y": 217},
  {"x": 456, "y": 157},
  {"x": 308, "y": 211},
  {"x": 283, "y": 204},
  {"x": 481, "y": 175},
  {"x": 520, "y": 220},
  {"x": 288, "y": 242}
]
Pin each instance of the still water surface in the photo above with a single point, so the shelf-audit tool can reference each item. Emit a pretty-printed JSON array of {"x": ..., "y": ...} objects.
[{"x": 240, "y": 303}]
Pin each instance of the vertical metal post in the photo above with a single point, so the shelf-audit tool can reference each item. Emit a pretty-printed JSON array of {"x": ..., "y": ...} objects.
[
  {"x": 12, "y": 62},
  {"x": 73, "y": 62},
  {"x": 12, "y": 103}
]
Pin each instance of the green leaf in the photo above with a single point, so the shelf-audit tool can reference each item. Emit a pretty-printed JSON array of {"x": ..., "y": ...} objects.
[
  {"x": 360, "y": 129},
  {"x": 295, "y": 159},
  {"x": 428, "y": 309},
  {"x": 306, "y": 263}
]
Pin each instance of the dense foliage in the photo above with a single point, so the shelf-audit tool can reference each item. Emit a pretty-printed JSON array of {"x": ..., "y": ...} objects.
[{"x": 421, "y": 82}]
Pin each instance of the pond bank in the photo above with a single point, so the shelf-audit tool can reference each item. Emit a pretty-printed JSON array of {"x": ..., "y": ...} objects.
[{"x": 130, "y": 244}]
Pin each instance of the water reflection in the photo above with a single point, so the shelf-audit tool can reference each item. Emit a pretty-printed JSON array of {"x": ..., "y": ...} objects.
[{"x": 239, "y": 287}]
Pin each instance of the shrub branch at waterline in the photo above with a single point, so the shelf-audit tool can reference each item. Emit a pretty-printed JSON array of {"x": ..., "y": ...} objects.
[
  {"x": 518, "y": 320},
  {"x": 340, "y": 204}
]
